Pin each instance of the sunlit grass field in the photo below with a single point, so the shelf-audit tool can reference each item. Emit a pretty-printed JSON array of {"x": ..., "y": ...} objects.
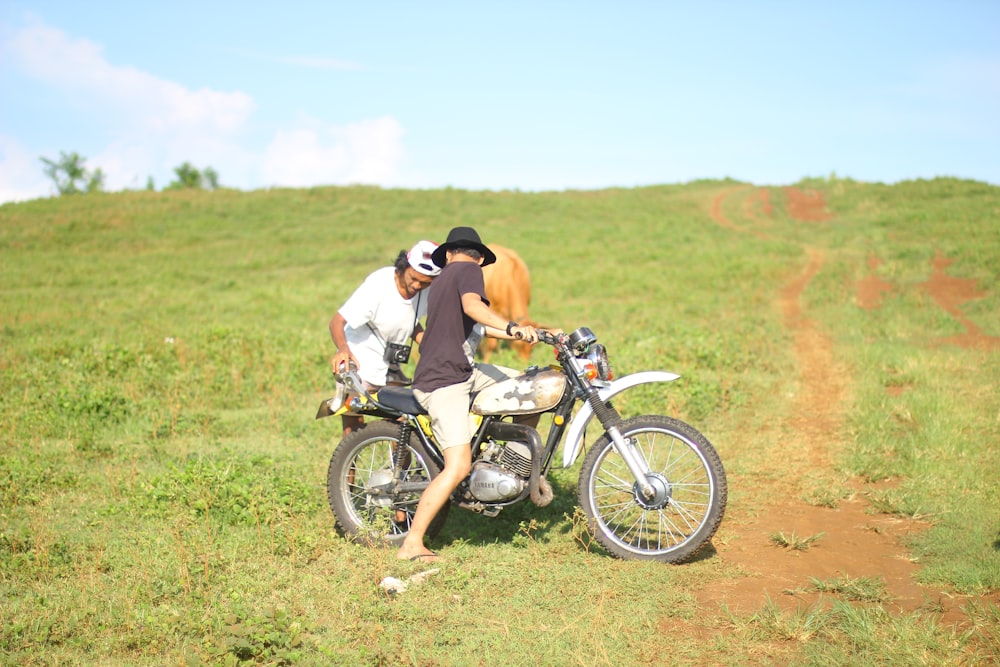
[{"x": 162, "y": 357}]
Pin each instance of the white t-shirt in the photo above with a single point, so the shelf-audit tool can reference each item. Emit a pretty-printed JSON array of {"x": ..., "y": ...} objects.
[{"x": 378, "y": 302}]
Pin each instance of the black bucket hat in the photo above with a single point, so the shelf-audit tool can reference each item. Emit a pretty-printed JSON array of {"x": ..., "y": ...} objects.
[{"x": 462, "y": 237}]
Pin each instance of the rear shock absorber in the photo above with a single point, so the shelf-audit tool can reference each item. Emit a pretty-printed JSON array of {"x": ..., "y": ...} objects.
[{"x": 401, "y": 451}]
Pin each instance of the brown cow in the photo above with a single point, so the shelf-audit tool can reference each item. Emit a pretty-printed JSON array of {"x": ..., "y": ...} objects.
[{"x": 508, "y": 288}]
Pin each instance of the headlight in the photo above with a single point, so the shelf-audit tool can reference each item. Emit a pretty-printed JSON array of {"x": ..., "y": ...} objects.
[{"x": 598, "y": 356}]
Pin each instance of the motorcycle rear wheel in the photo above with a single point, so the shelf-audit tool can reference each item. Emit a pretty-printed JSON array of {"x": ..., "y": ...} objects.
[
  {"x": 364, "y": 460},
  {"x": 690, "y": 499}
]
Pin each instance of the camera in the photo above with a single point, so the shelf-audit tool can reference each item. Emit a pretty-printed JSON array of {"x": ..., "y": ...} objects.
[{"x": 396, "y": 353}]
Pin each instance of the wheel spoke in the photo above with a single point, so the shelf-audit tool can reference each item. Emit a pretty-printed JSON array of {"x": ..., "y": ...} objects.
[
  {"x": 615, "y": 481},
  {"x": 684, "y": 485},
  {"x": 376, "y": 457}
]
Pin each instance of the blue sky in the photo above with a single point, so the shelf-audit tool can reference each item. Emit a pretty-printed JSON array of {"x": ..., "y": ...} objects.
[{"x": 499, "y": 95}]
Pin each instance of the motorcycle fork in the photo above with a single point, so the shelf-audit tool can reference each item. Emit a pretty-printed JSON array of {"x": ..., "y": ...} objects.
[{"x": 633, "y": 458}]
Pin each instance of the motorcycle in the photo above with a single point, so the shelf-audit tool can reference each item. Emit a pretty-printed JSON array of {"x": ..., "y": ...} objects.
[{"x": 652, "y": 487}]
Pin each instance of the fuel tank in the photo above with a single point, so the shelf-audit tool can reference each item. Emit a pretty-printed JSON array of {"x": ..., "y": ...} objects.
[{"x": 536, "y": 390}]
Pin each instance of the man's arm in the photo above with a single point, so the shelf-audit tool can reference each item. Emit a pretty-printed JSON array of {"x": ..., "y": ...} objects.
[
  {"x": 339, "y": 336},
  {"x": 496, "y": 325}
]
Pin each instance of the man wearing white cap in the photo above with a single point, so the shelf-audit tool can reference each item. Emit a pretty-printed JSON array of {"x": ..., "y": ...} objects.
[{"x": 374, "y": 327}]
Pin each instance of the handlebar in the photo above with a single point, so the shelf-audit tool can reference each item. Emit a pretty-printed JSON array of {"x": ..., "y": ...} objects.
[
  {"x": 351, "y": 366},
  {"x": 549, "y": 338},
  {"x": 349, "y": 376},
  {"x": 545, "y": 336}
]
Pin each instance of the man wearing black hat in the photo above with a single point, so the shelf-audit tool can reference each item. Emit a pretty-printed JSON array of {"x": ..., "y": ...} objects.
[{"x": 458, "y": 315}]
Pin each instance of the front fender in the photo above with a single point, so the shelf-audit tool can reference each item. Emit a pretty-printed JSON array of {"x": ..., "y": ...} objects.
[{"x": 574, "y": 436}]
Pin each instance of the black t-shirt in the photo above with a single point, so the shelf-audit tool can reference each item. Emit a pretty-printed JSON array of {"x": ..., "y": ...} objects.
[{"x": 451, "y": 337}]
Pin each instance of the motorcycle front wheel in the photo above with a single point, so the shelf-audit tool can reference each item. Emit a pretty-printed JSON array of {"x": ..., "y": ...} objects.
[
  {"x": 689, "y": 497},
  {"x": 361, "y": 471}
]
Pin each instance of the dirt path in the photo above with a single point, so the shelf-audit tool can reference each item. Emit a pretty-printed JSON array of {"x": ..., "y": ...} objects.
[
  {"x": 853, "y": 543},
  {"x": 948, "y": 292}
]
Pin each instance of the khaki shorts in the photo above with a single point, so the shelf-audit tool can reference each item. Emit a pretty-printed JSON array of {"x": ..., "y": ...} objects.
[{"x": 451, "y": 421}]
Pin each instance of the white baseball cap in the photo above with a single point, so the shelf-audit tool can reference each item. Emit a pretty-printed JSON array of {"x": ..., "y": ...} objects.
[{"x": 419, "y": 258}]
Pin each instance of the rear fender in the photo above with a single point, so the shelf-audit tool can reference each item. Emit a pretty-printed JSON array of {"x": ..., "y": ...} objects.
[{"x": 574, "y": 436}]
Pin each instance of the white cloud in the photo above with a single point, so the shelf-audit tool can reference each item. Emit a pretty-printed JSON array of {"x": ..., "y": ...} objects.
[
  {"x": 365, "y": 152},
  {"x": 155, "y": 124},
  {"x": 317, "y": 62},
  {"x": 312, "y": 62},
  {"x": 78, "y": 65},
  {"x": 21, "y": 175}
]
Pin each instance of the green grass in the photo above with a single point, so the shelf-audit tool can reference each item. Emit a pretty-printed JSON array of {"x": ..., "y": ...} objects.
[
  {"x": 162, "y": 356},
  {"x": 794, "y": 542},
  {"x": 863, "y": 589}
]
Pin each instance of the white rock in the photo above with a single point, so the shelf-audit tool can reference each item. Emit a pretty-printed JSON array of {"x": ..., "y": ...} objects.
[{"x": 394, "y": 586}]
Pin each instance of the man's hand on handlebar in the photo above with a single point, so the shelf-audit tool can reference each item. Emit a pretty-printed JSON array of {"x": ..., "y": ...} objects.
[
  {"x": 549, "y": 336},
  {"x": 344, "y": 361},
  {"x": 527, "y": 333}
]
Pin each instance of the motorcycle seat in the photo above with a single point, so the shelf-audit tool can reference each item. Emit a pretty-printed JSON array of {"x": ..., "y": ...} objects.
[{"x": 402, "y": 399}]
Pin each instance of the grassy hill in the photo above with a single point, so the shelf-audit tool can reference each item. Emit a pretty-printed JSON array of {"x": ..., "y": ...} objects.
[{"x": 163, "y": 356}]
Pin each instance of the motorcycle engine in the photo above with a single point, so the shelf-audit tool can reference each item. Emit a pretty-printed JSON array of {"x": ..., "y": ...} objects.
[{"x": 501, "y": 475}]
